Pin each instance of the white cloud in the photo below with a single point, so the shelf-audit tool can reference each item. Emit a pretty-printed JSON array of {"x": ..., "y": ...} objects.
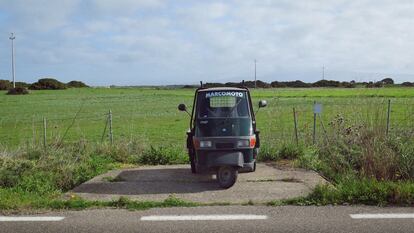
[{"x": 216, "y": 40}]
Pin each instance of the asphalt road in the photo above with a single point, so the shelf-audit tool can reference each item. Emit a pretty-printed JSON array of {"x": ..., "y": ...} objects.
[{"x": 261, "y": 219}]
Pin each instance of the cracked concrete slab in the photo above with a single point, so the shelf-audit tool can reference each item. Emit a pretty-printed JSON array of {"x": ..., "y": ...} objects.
[{"x": 159, "y": 182}]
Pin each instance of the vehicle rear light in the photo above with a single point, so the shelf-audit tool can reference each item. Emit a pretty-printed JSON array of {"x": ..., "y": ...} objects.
[
  {"x": 202, "y": 144},
  {"x": 252, "y": 141},
  {"x": 243, "y": 143}
]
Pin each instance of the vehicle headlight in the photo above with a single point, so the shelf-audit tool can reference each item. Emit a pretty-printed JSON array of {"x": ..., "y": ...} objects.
[{"x": 204, "y": 144}]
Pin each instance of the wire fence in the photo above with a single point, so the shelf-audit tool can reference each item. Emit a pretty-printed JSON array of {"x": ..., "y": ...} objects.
[{"x": 293, "y": 121}]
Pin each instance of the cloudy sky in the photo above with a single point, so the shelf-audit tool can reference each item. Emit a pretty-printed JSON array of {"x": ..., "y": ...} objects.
[{"x": 146, "y": 42}]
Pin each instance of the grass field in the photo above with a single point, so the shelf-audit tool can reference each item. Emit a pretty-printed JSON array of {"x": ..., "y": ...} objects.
[
  {"x": 151, "y": 115},
  {"x": 365, "y": 165}
]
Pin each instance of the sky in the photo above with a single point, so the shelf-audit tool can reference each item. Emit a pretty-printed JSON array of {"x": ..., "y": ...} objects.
[{"x": 160, "y": 42}]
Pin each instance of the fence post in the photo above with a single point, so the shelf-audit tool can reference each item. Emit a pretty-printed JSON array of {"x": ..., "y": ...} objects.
[
  {"x": 296, "y": 126},
  {"x": 44, "y": 132},
  {"x": 106, "y": 126},
  {"x": 314, "y": 123},
  {"x": 111, "y": 137},
  {"x": 388, "y": 117}
]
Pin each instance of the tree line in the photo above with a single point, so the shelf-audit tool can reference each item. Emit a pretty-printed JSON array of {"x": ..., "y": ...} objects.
[
  {"x": 42, "y": 84},
  {"x": 301, "y": 84}
]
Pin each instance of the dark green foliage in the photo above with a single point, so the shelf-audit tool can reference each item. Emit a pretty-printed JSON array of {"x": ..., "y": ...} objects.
[
  {"x": 47, "y": 84},
  {"x": 163, "y": 155},
  {"x": 407, "y": 84},
  {"x": 5, "y": 85},
  {"x": 76, "y": 84},
  {"x": 353, "y": 190},
  {"x": 291, "y": 151},
  {"x": 18, "y": 91},
  {"x": 22, "y": 84},
  {"x": 12, "y": 170},
  {"x": 374, "y": 85},
  {"x": 387, "y": 81}
]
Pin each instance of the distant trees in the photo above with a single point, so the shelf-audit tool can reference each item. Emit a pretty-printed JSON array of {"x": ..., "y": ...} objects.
[
  {"x": 76, "y": 84},
  {"x": 407, "y": 84},
  {"x": 387, "y": 81},
  {"x": 47, "y": 84},
  {"x": 301, "y": 84},
  {"x": 5, "y": 85}
]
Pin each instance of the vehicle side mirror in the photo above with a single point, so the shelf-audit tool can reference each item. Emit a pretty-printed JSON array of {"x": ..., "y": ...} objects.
[
  {"x": 262, "y": 103},
  {"x": 182, "y": 107}
]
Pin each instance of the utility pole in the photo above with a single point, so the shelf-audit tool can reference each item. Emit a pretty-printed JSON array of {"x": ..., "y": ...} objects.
[
  {"x": 255, "y": 85},
  {"x": 12, "y": 37},
  {"x": 323, "y": 72}
]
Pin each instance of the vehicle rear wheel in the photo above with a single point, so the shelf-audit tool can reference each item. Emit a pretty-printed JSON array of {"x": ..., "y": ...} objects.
[{"x": 226, "y": 176}]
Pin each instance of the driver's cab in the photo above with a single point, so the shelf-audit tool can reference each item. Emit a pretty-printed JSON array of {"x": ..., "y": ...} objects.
[{"x": 223, "y": 112}]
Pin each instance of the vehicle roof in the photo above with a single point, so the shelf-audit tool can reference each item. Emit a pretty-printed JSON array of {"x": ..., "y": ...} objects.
[{"x": 223, "y": 89}]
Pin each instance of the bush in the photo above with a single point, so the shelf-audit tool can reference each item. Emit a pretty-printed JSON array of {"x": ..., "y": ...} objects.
[
  {"x": 407, "y": 84},
  {"x": 291, "y": 151},
  {"x": 22, "y": 84},
  {"x": 387, "y": 81},
  {"x": 5, "y": 85},
  {"x": 268, "y": 153},
  {"x": 47, "y": 84},
  {"x": 12, "y": 170},
  {"x": 18, "y": 91},
  {"x": 163, "y": 156},
  {"x": 326, "y": 83},
  {"x": 76, "y": 84}
]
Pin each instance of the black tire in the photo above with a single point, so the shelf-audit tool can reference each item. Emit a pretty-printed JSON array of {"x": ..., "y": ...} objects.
[
  {"x": 254, "y": 166},
  {"x": 226, "y": 176}
]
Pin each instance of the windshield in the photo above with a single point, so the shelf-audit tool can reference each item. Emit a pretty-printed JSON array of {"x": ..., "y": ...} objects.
[{"x": 222, "y": 104}]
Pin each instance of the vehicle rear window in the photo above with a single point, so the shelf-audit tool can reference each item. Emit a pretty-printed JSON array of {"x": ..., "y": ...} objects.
[{"x": 222, "y": 104}]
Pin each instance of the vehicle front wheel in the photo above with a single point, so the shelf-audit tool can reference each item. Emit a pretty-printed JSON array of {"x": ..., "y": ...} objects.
[{"x": 226, "y": 176}]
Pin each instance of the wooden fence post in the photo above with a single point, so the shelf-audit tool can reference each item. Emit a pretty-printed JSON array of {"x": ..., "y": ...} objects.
[
  {"x": 44, "y": 132},
  {"x": 388, "y": 117},
  {"x": 314, "y": 123},
  {"x": 111, "y": 136},
  {"x": 296, "y": 126}
]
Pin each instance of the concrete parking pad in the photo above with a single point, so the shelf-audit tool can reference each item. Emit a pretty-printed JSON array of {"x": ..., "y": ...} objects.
[{"x": 159, "y": 182}]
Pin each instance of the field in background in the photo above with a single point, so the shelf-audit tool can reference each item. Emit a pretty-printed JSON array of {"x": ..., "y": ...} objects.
[{"x": 151, "y": 115}]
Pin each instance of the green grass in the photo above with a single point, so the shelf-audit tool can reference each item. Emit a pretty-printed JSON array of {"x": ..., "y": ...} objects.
[
  {"x": 151, "y": 116},
  {"x": 148, "y": 129}
]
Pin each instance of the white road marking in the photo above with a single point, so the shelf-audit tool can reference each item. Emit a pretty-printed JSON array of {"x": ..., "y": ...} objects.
[
  {"x": 202, "y": 217},
  {"x": 30, "y": 218},
  {"x": 382, "y": 216}
]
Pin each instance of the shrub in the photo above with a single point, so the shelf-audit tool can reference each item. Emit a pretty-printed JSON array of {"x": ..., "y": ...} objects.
[
  {"x": 268, "y": 153},
  {"x": 407, "y": 84},
  {"x": 163, "y": 155},
  {"x": 22, "y": 84},
  {"x": 5, "y": 85},
  {"x": 18, "y": 91},
  {"x": 47, "y": 84},
  {"x": 387, "y": 81},
  {"x": 326, "y": 83},
  {"x": 12, "y": 170},
  {"x": 76, "y": 84},
  {"x": 291, "y": 151}
]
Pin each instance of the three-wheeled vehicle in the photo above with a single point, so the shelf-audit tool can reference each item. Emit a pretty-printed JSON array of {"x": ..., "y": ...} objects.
[{"x": 223, "y": 137}]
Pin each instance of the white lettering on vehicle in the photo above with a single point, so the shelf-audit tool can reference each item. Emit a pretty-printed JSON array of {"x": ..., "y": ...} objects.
[{"x": 224, "y": 93}]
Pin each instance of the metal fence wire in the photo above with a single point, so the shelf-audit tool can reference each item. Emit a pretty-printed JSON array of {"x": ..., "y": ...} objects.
[{"x": 284, "y": 121}]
